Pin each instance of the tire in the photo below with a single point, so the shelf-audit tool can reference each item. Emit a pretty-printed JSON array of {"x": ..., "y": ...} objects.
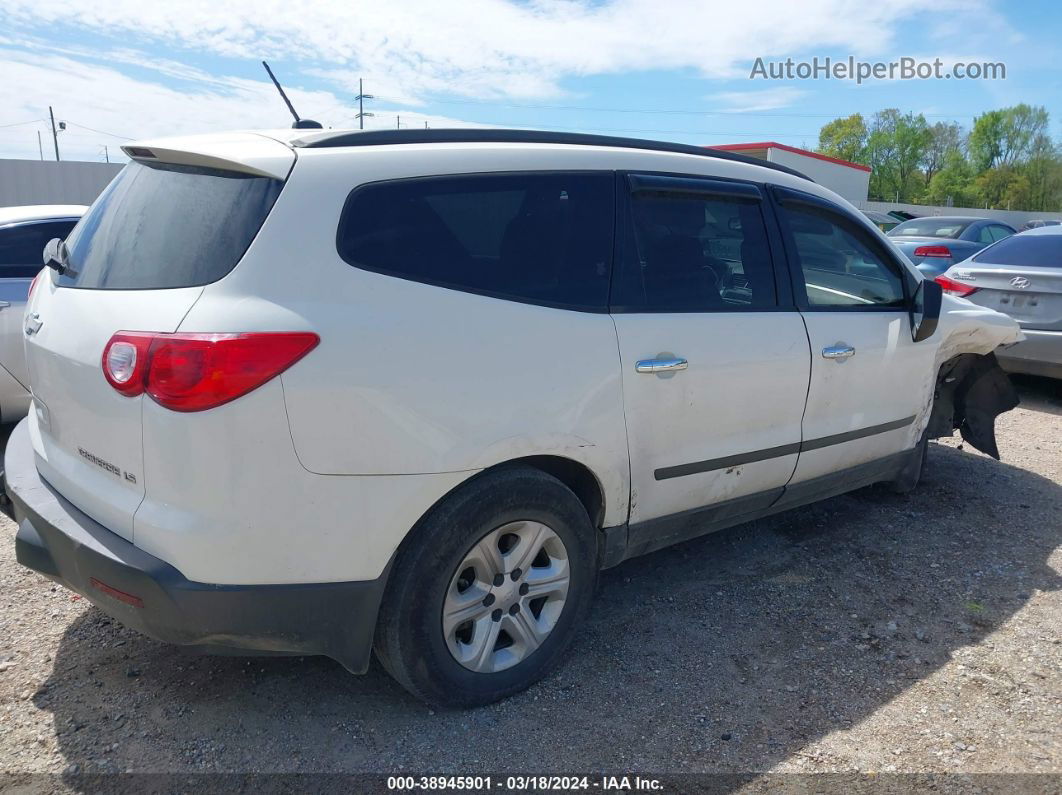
[
  {"x": 909, "y": 478},
  {"x": 446, "y": 563}
]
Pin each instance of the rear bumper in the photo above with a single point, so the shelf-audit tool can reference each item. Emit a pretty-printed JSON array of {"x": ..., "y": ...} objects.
[
  {"x": 147, "y": 594},
  {"x": 1040, "y": 353}
]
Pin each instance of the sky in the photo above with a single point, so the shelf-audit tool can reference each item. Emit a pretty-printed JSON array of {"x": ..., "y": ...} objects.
[{"x": 120, "y": 70}]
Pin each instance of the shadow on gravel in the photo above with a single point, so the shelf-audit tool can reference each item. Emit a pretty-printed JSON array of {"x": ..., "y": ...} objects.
[
  {"x": 728, "y": 653},
  {"x": 1039, "y": 394}
]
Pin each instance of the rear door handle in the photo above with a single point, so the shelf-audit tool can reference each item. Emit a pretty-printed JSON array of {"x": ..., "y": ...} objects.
[
  {"x": 660, "y": 365},
  {"x": 839, "y": 352}
]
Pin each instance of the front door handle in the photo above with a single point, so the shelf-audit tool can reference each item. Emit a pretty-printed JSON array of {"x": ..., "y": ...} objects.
[
  {"x": 660, "y": 365},
  {"x": 838, "y": 352}
]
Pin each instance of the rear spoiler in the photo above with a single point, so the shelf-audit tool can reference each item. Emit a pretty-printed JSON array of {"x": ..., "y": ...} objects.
[{"x": 244, "y": 153}]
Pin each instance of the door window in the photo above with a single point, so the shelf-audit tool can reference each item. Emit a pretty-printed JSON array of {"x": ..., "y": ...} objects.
[
  {"x": 22, "y": 246},
  {"x": 690, "y": 252},
  {"x": 841, "y": 266}
]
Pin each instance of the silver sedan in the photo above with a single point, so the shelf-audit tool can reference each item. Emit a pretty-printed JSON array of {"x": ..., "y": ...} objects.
[
  {"x": 24, "y": 231},
  {"x": 1020, "y": 276}
]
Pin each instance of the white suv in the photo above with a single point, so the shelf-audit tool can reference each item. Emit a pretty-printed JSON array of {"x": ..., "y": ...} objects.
[{"x": 329, "y": 392}]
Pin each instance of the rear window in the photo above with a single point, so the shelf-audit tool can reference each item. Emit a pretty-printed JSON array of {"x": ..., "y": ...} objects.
[
  {"x": 1024, "y": 251},
  {"x": 160, "y": 226},
  {"x": 542, "y": 238},
  {"x": 927, "y": 227}
]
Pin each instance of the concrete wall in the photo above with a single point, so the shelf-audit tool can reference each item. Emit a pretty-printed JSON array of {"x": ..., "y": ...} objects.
[
  {"x": 49, "y": 182},
  {"x": 850, "y": 183},
  {"x": 1013, "y": 217}
]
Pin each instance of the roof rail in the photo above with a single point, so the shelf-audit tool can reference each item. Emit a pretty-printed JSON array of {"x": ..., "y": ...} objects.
[{"x": 490, "y": 135}]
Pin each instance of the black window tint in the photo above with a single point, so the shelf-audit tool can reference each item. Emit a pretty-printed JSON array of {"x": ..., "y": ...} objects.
[
  {"x": 161, "y": 226},
  {"x": 840, "y": 265},
  {"x": 22, "y": 246},
  {"x": 1024, "y": 251},
  {"x": 694, "y": 253},
  {"x": 539, "y": 238}
]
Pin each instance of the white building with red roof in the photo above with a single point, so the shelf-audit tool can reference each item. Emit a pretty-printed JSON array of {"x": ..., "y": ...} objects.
[{"x": 850, "y": 180}]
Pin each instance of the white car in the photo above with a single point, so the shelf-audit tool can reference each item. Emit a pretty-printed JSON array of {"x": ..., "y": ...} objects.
[
  {"x": 328, "y": 392},
  {"x": 24, "y": 231}
]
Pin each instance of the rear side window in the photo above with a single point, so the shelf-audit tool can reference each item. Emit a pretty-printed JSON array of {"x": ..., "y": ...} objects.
[
  {"x": 543, "y": 238},
  {"x": 1000, "y": 232},
  {"x": 694, "y": 252},
  {"x": 1024, "y": 251},
  {"x": 161, "y": 226},
  {"x": 22, "y": 246}
]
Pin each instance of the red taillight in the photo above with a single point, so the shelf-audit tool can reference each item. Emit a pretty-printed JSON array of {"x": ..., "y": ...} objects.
[
  {"x": 33, "y": 285},
  {"x": 952, "y": 287},
  {"x": 194, "y": 372},
  {"x": 932, "y": 251}
]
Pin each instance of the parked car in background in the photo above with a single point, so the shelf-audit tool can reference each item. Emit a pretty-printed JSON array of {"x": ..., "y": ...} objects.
[
  {"x": 24, "y": 231},
  {"x": 1039, "y": 222},
  {"x": 1022, "y": 277},
  {"x": 936, "y": 243},
  {"x": 410, "y": 390},
  {"x": 882, "y": 221}
]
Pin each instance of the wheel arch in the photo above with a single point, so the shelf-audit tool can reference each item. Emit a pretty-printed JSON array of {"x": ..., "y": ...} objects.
[
  {"x": 971, "y": 391},
  {"x": 576, "y": 475}
]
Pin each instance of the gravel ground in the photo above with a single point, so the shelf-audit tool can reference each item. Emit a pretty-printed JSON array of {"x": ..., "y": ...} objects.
[{"x": 871, "y": 632}]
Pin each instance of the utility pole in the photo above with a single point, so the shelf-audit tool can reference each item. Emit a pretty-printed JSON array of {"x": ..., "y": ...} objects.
[
  {"x": 425, "y": 125},
  {"x": 55, "y": 135},
  {"x": 398, "y": 122},
  {"x": 361, "y": 97},
  {"x": 40, "y": 146},
  {"x": 106, "y": 154}
]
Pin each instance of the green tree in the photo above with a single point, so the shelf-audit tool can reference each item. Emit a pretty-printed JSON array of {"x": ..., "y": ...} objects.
[
  {"x": 1005, "y": 137},
  {"x": 1044, "y": 172},
  {"x": 1008, "y": 160},
  {"x": 896, "y": 146},
  {"x": 953, "y": 184},
  {"x": 1003, "y": 188},
  {"x": 844, "y": 138},
  {"x": 945, "y": 138}
]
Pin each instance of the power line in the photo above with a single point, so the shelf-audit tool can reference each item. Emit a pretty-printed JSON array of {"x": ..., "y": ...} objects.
[
  {"x": 650, "y": 110},
  {"x": 20, "y": 123},
  {"x": 101, "y": 132}
]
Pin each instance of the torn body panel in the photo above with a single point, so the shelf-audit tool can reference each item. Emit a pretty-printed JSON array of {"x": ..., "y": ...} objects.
[{"x": 972, "y": 390}]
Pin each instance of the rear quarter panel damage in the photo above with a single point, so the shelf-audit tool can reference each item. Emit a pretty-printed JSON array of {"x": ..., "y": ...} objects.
[{"x": 970, "y": 389}]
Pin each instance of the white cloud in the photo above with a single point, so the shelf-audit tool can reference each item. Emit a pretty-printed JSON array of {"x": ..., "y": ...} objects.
[
  {"x": 759, "y": 100},
  {"x": 408, "y": 52},
  {"x": 94, "y": 96},
  {"x": 493, "y": 48}
]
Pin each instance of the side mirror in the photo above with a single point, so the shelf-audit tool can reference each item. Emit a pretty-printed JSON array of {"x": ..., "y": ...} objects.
[
  {"x": 53, "y": 255},
  {"x": 925, "y": 310}
]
